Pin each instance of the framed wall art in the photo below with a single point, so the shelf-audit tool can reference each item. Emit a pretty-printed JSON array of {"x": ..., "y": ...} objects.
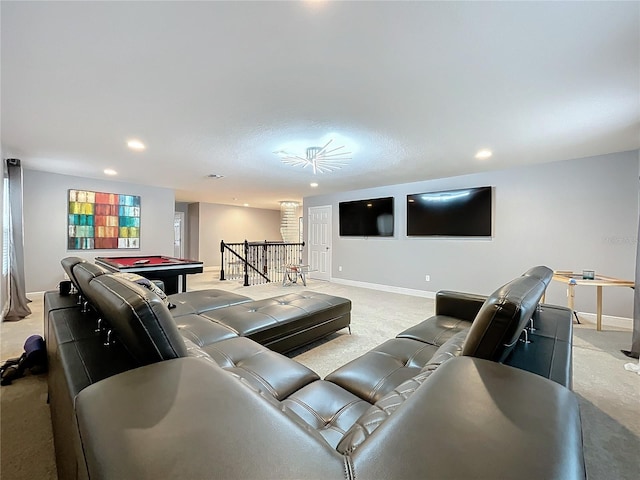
[{"x": 98, "y": 220}]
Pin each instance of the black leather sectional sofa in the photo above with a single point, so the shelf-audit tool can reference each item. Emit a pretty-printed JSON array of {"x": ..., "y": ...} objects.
[{"x": 175, "y": 396}]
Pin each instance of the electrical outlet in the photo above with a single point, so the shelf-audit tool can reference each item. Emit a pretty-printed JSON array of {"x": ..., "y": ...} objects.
[
  {"x": 427, "y": 278},
  {"x": 340, "y": 268}
]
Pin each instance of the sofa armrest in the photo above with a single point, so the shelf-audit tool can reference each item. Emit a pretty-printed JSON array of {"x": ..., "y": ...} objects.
[
  {"x": 475, "y": 418},
  {"x": 464, "y": 306},
  {"x": 188, "y": 418}
]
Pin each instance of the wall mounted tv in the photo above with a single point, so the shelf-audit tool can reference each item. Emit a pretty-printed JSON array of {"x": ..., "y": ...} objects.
[
  {"x": 367, "y": 218},
  {"x": 451, "y": 213}
]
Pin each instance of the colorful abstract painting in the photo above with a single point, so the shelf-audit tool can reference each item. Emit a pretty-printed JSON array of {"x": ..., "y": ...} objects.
[{"x": 103, "y": 220}]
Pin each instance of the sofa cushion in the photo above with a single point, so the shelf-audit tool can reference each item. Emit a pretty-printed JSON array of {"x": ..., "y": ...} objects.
[
  {"x": 326, "y": 408},
  {"x": 267, "y": 371},
  {"x": 380, "y": 370},
  {"x": 436, "y": 330},
  {"x": 378, "y": 413},
  {"x": 204, "y": 300},
  {"x": 270, "y": 320},
  {"x": 203, "y": 331}
]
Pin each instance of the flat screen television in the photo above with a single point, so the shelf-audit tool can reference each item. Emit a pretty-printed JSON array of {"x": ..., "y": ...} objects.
[
  {"x": 367, "y": 218},
  {"x": 465, "y": 212}
]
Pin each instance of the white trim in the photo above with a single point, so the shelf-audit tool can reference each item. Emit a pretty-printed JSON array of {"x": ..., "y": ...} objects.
[
  {"x": 585, "y": 317},
  {"x": 607, "y": 320},
  {"x": 33, "y": 294},
  {"x": 385, "y": 288}
]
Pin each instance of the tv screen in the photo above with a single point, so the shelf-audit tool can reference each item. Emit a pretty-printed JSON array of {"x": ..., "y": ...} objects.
[
  {"x": 452, "y": 213},
  {"x": 367, "y": 218}
]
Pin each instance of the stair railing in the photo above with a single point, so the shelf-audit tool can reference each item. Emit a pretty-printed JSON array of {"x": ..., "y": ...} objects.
[{"x": 258, "y": 262}]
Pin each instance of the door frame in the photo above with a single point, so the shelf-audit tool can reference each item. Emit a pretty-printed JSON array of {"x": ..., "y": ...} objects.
[
  {"x": 179, "y": 215},
  {"x": 329, "y": 236}
]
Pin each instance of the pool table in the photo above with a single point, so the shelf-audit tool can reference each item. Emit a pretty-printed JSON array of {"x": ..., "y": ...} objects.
[{"x": 155, "y": 267}]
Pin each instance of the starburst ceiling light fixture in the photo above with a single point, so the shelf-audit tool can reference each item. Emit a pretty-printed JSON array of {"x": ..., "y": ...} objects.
[{"x": 320, "y": 159}]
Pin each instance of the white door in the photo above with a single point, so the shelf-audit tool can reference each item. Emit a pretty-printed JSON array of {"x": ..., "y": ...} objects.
[
  {"x": 320, "y": 242},
  {"x": 178, "y": 235}
]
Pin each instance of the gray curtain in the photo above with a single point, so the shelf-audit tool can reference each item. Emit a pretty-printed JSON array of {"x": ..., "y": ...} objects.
[
  {"x": 635, "y": 339},
  {"x": 18, "y": 300}
]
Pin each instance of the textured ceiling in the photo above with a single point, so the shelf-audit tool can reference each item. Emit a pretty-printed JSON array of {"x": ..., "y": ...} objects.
[{"x": 413, "y": 89}]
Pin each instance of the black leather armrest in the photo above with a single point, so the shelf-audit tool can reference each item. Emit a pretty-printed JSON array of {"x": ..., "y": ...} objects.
[
  {"x": 187, "y": 418},
  {"x": 476, "y": 418},
  {"x": 464, "y": 306}
]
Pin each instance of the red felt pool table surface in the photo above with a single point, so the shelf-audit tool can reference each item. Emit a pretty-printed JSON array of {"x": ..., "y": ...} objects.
[{"x": 155, "y": 267}]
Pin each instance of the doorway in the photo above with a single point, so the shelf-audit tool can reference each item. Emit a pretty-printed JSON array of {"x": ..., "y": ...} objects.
[
  {"x": 178, "y": 235},
  {"x": 319, "y": 241}
]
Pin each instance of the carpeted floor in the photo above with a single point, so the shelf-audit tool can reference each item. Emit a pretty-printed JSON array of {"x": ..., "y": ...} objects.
[{"x": 609, "y": 395}]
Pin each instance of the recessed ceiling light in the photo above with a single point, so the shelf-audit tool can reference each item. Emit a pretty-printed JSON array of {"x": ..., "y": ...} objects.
[
  {"x": 110, "y": 171},
  {"x": 246, "y": 205},
  {"x": 484, "y": 154},
  {"x": 313, "y": 185},
  {"x": 136, "y": 145}
]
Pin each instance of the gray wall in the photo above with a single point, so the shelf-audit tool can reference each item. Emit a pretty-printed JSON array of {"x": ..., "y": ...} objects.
[
  {"x": 45, "y": 223},
  {"x": 569, "y": 215},
  {"x": 231, "y": 224}
]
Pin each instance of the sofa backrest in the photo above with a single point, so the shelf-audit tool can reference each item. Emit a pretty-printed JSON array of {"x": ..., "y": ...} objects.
[
  {"x": 139, "y": 318},
  {"x": 67, "y": 265},
  {"x": 506, "y": 312},
  {"x": 84, "y": 272},
  {"x": 542, "y": 273}
]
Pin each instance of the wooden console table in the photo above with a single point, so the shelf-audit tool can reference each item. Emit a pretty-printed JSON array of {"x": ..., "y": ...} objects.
[{"x": 572, "y": 279}]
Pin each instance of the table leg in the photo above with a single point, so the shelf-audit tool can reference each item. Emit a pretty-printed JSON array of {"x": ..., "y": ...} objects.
[
  {"x": 570, "y": 296},
  {"x": 304, "y": 280},
  {"x": 599, "y": 309},
  {"x": 184, "y": 282}
]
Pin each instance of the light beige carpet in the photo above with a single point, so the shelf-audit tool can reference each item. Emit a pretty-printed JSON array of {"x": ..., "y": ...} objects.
[{"x": 609, "y": 395}]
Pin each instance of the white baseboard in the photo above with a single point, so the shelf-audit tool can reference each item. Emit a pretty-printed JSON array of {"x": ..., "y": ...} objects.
[
  {"x": 385, "y": 288},
  {"x": 585, "y": 317},
  {"x": 611, "y": 320},
  {"x": 38, "y": 294}
]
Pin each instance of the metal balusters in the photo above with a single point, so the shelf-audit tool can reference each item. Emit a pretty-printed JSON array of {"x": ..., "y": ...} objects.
[{"x": 258, "y": 262}]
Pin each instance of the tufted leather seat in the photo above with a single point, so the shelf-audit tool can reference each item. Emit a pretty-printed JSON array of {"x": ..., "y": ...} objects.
[
  {"x": 282, "y": 323},
  {"x": 204, "y": 300},
  {"x": 491, "y": 333},
  {"x": 381, "y": 370}
]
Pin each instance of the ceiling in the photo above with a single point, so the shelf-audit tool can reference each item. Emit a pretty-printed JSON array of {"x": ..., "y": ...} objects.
[{"x": 412, "y": 89}]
